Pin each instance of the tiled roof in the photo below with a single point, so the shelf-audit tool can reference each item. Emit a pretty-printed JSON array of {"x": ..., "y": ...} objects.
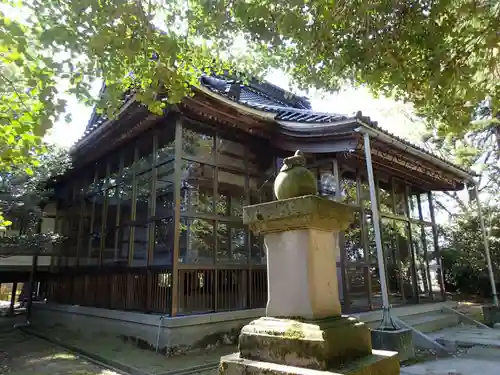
[
  {"x": 265, "y": 101},
  {"x": 97, "y": 119},
  {"x": 256, "y": 97},
  {"x": 286, "y": 106}
]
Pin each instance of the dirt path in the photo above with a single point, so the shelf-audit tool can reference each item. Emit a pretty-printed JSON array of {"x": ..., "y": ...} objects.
[{"x": 23, "y": 354}]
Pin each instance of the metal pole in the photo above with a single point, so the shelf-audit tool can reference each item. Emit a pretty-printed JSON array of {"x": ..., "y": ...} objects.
[
  {"x": 486, "y": 247},
  {"x": 387, "y": 322}
]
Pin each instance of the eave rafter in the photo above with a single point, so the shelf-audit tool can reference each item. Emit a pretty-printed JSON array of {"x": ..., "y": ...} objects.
[
  {"x": 203, "y": 107},
  {"x": 413, "y": 170}
]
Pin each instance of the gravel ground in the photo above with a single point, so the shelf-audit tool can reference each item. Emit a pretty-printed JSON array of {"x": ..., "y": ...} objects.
[
  {"x": 113, "y": 348},
  {"x": 23, "y": 354}
]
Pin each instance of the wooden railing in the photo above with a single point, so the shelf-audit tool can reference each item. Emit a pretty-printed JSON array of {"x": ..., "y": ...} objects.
[{"x": 201, "y": 290}]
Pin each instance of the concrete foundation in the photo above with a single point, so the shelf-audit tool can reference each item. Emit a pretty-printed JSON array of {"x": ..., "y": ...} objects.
[
  {"x": 491, "y": 314},
  {"x": 198, "y": 331},
  {"x": 398, "y": 341}
]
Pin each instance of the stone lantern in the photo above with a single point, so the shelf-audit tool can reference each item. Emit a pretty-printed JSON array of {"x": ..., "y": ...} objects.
[{"x": 303, "y": 331}]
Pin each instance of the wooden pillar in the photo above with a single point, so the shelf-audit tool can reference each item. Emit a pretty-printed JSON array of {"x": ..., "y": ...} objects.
[
  {"x": 31, "y": 287},
  {"x": 427, "y": 271},
  {"x": 364, "y": 241},
  {"x": 412, "y": 248},
  {"x": 398, "y": 260},
  {"x": 13, "y": 298},
  {"x": 343, "y": 270},
  {"x": 177, "y": 216},
  {"x": 133, "y": 211},
  {"x": 436, "y": 245},
  {"x": 215, "y": 192}
]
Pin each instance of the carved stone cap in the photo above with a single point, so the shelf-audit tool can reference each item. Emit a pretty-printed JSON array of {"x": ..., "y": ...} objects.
[{"x": 306, "y": 212}]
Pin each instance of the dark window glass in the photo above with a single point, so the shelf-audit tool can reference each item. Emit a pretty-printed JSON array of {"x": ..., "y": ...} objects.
[
  {"x": 165, "y": 189},
  {"x": 420, "y": 248},
  {"x": 353, "y": 245},
  {"x": 73, "y": 220},
  {"x": 84, "y": 252},
  {"x": 164, "y": 242},
  {"x": 357, "y": 285},
  {"x": 349, "y": 190},
  {"x": 143, "y": 183},
  {"x": 141, "y": 237},
  {"x": 261, "y": 189},
  {"x": 87, "y": 180},
  {"x": 258, "y": 162},
  {"x": 85, "y": 231},
  {"x": 399, "y": 197},
  {"x": 93, "y": 186},
  {"x": 144, "y": 158},
  {"x": 414, "y": 207},
  {"x": 385, "y": 196},
  {"x": 98, "y": 201},
  {"x": 372, "y": 247},
  {"x": 198, "y": 145},
  {"x": 123, "y": 244},
  {"x": 197, "y": 241},
  {"x": 125, "y": 192},
  {"x": 231, "y": 194},
  {"x": 432, "y": 256},
  {"x": 112, "y": 203},
  {"x": 101, "y": 180},
  {"x": 112, "y": 206},
  {"x": 114, "y": 169},
  {"x": 166, "y": 143},
  {"x": 197, "y": 181},
  {"x": 128, "y": 160},
  {"x": 326, "y": 182},
  {"x": 364, "y": 194},
  {"x": 230, "y": 154},
  {"x": 257, "y": 253},
  {"x": 424, "y": 204},
  {"x": 390, "y": 248},
  {"x": 110, "y": 245},
  {"x": 231, "y": 243},
  {"x": 95, "y": 249}
]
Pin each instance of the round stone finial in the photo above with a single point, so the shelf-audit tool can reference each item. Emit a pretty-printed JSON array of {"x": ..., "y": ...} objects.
[{"x": 294, "y": 179}]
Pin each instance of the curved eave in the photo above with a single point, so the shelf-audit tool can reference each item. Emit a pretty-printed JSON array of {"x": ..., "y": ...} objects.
[
  {"x": 465, "y": 176},
  {"x": 240, "y": 108}
]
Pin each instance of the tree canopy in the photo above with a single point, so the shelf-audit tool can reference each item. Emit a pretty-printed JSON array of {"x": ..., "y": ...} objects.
[
  {"x": 441, "y": 55},
  {"x": 23, "y": 196}
]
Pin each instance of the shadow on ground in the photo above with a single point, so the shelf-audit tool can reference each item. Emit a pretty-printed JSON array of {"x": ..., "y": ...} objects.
[{"x": 23, "y": 354}]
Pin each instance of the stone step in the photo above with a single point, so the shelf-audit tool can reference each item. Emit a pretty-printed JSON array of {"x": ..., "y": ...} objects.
[
  {"x": 431, "y": 322},
  {"x": 380, "y": 362},
  {"x": 476, "y": 340}
]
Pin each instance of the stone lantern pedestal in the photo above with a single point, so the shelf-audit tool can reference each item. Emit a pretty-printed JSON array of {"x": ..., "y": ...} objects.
[
  {"x": 491, "y": 314},
  {"x": 303, "y": 331}
]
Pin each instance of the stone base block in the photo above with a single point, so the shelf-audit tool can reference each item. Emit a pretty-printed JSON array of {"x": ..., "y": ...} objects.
[
  {"x": 491, "y": 314},
  {"x": 399, "y": 341},
  {"x": 319, "y": 345},
  {"x": 378, "y": 363}
]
